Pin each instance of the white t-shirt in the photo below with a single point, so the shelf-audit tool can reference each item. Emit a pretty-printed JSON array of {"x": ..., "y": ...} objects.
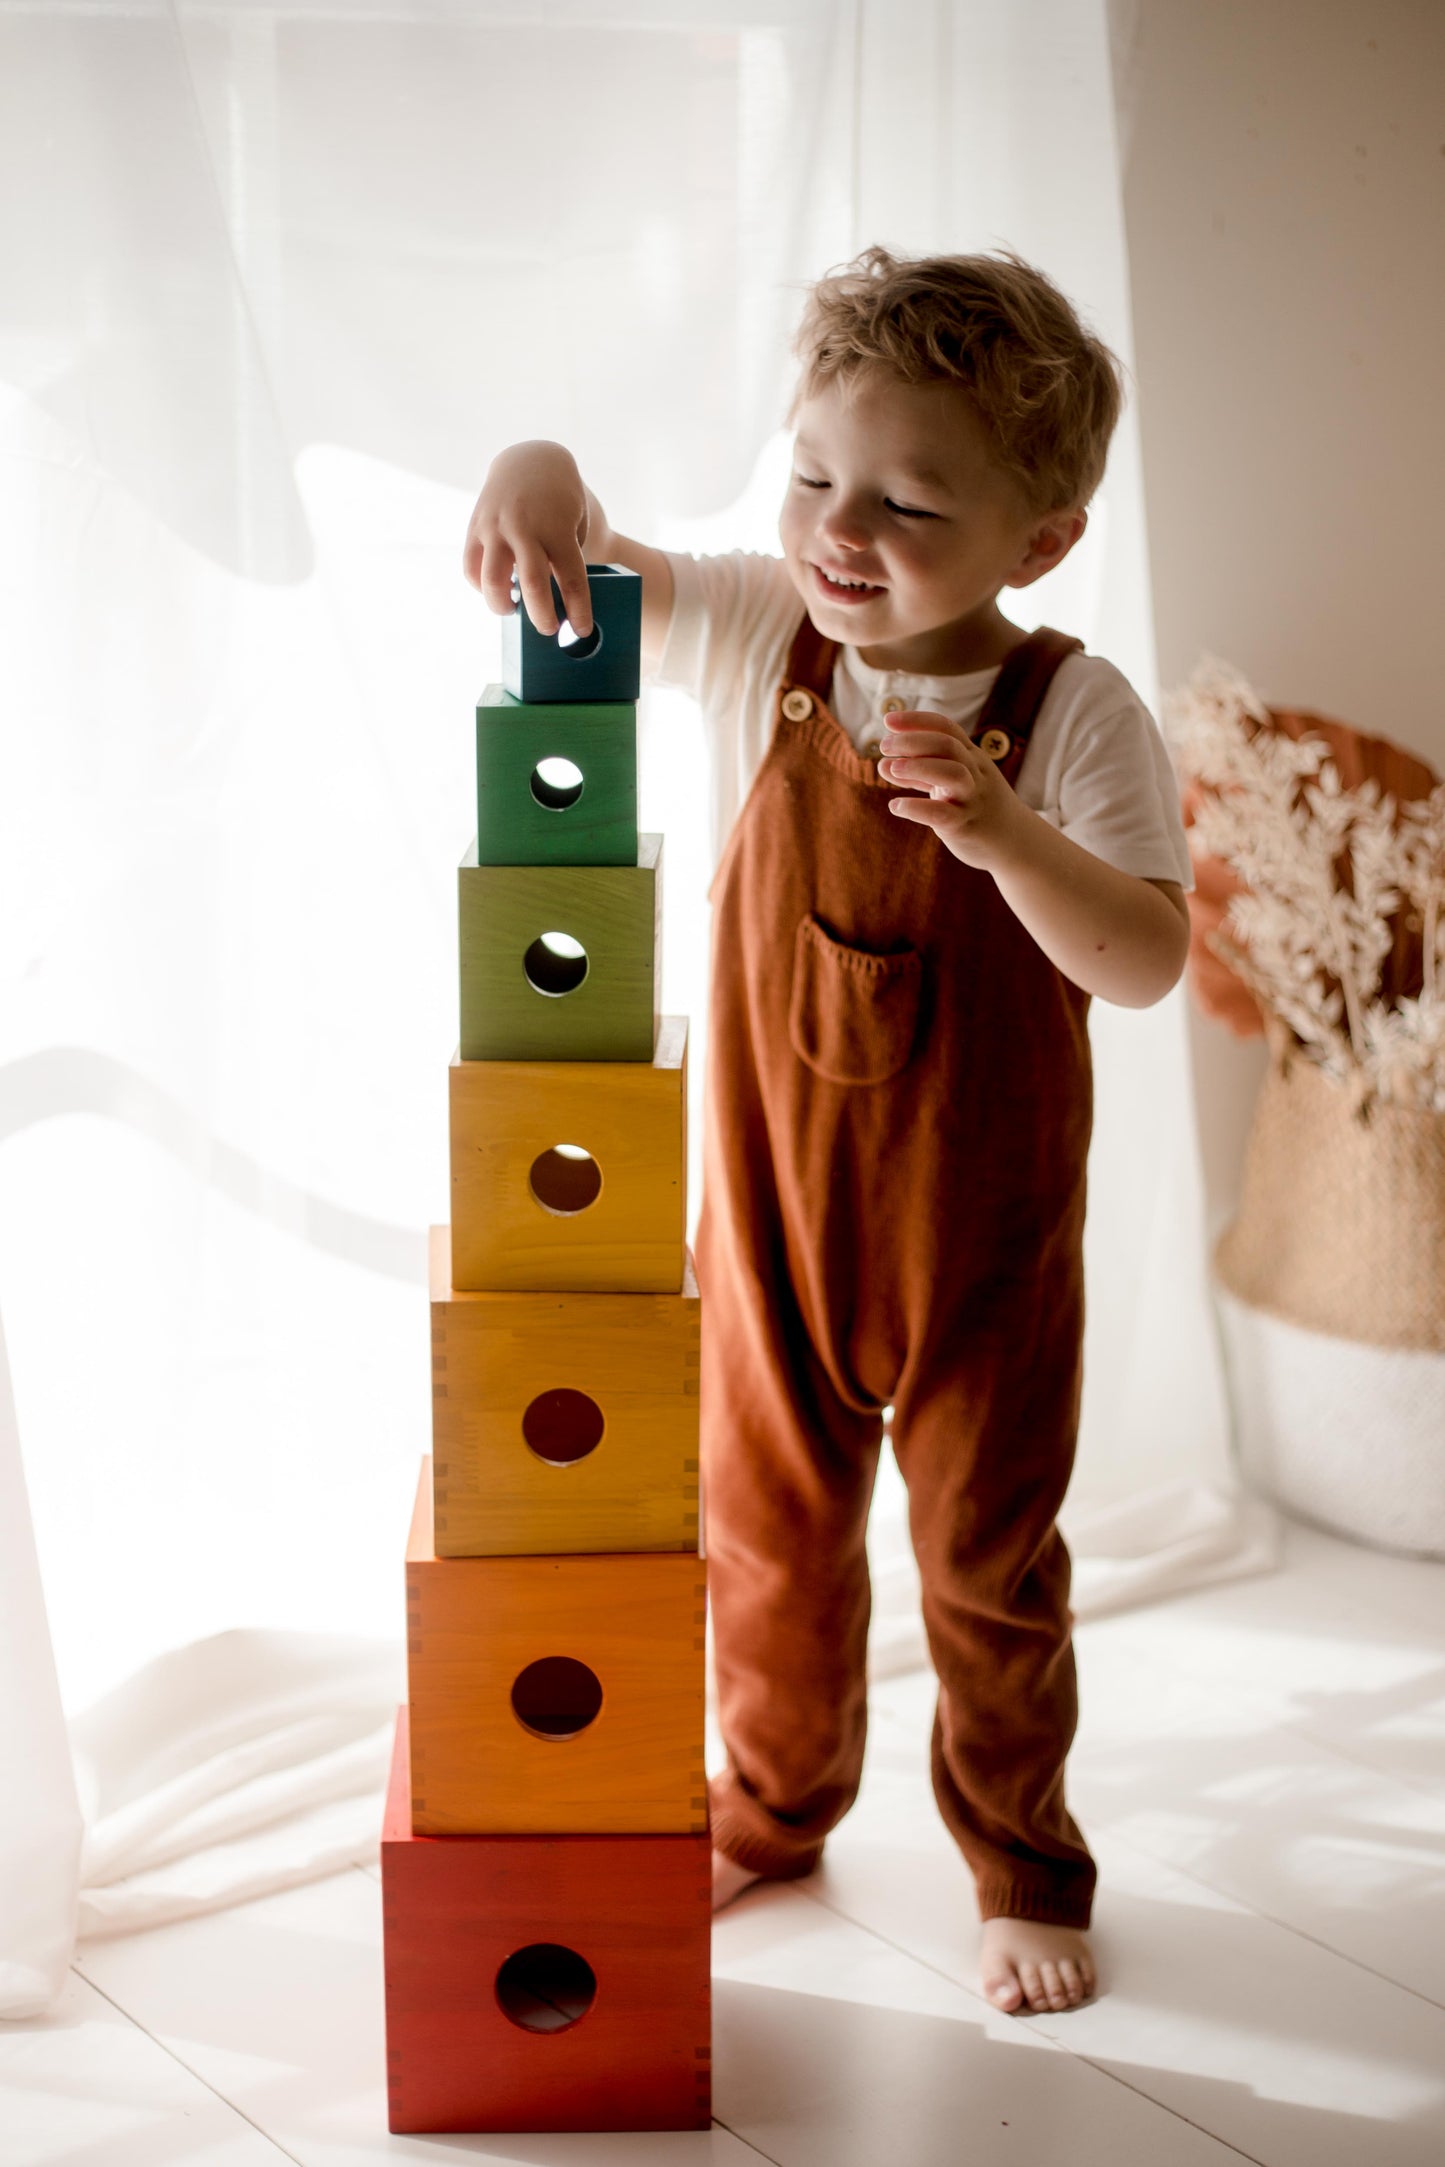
[{"x": 1096, "y": 766}]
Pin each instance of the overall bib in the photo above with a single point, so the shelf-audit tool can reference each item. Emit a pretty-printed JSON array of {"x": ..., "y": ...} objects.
[{"x": 898, "y": 1117}]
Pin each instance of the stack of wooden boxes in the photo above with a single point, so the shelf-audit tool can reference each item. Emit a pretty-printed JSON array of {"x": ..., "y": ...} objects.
[{"x": 545, "y": 1860}]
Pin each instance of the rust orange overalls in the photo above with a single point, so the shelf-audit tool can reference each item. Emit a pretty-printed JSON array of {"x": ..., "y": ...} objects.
[{"x": 899, "y": 1107}]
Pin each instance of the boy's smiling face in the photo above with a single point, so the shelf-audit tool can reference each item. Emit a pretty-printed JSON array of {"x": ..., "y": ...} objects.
[{"x": 893, "y": 489}]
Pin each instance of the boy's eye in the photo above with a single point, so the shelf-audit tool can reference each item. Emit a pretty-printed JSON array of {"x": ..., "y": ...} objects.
[{"x": 905, "y": 511}]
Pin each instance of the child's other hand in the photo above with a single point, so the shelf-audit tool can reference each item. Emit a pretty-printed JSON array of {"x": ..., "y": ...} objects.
[
  {"x": 529, "y": 523},
  {"x": 968, "y": 805}
]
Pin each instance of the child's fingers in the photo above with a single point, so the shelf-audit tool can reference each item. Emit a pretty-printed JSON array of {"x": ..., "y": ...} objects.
[
  {"x": 496, "y": 570},
  {"x": 926, "y": 812},
  {"x": 571, "y": 570},
  {"x": 926, "y": 745},
  {"x": 534, "y": 577},
  {"x": 916, "y": 722},
  {"x": 944, "y": 778},
  {"x": 494, "y": 573},
  {"x": 940, "y": 737}
]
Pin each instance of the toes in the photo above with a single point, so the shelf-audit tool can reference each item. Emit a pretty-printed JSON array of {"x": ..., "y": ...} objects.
[{"x": 1041, "y": 1987}]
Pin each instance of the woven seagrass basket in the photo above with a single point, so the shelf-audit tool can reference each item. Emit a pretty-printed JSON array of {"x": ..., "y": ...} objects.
[
  {"x": 1332, "y": 1300},
  {"x": 1330, "y": 1283}
]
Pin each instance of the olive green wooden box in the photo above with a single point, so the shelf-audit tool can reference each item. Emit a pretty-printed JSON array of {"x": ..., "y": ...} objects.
[
  {"x": 524, "y": 820},
  {"x": 522, "y": 1001}
]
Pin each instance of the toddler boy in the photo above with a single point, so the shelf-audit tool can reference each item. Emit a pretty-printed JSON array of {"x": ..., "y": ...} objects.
[{"x": 942, "y": 837}]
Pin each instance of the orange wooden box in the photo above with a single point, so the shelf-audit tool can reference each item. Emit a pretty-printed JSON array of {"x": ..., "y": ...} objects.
[
  {"x": 562, "y": 1422},
  {"x": 544, "y": 1982},
  {"x": 571, "y": 1174},
  {"x": 554, "y": 1695}
]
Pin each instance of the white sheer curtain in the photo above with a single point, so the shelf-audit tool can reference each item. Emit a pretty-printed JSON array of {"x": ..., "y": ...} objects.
[{"x": 275, "y": 283}]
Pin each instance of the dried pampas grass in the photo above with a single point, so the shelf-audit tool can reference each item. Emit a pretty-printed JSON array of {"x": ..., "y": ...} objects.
[{"x": 1332, "y": 876}]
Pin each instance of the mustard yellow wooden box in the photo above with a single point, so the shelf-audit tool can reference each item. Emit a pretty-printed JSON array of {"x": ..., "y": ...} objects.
[
  {"x": 554, "y": 1695},
  {"x": 562, "y": 1422},
  {"x": 571, "y": 1174}
]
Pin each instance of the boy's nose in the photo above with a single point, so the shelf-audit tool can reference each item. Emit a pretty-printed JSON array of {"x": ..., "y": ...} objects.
[{"x": 846, "y": 528}]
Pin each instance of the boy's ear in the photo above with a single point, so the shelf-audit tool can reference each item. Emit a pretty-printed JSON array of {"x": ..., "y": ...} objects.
[{"x": 1047, "y": 545}]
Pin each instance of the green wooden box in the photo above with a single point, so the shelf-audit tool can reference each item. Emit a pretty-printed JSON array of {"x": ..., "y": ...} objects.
[
  {"x": 526, "y": 818},
  {"x": 525, "y": 1000},
  {"x": 606, "y": 665}
]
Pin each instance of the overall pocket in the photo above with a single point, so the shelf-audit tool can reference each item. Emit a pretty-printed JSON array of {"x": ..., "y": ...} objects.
[{"x": 852, "y": 1016}]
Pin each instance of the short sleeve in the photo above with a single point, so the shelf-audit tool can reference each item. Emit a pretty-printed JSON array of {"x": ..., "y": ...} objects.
[
  {"x": 733, "y": 620},
  {"x": 730, "y": 614},
  {"x": 1119, "y": 799},
  {"x": 1103, "y": 775}
]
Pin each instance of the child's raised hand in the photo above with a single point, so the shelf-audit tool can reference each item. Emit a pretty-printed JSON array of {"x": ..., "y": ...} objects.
[
  {"x": 967, "y": 803},
  {"x": 529, "y": 524}
]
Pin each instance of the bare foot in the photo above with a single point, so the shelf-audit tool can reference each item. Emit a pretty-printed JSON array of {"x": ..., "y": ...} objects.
[
  {"x": 1023, "y": 1963},
  {"x": 729, "y": 1880}
]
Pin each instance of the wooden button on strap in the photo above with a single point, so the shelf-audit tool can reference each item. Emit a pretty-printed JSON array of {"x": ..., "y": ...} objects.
[{"x": 797, "y": 704}]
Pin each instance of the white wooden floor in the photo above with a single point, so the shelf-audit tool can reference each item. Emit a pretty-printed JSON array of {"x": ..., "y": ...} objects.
[{"x": 1261, "y": 1772}]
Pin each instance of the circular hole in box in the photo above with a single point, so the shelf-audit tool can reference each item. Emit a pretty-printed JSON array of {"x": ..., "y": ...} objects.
[
  {"x": 555, "y": 964},
  {"x": 565, "y": 1180},
  {"x": 557, "y": 783},
  {"x": 556, "y": 1697},
  {"x": 563, "y": 1426},
  {"x": 546, "y": 1987},
  {"x": 578, "y": 646}
]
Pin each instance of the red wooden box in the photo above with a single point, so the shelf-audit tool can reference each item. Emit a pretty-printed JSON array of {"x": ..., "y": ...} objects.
[{"x": 610, "y": 2031}]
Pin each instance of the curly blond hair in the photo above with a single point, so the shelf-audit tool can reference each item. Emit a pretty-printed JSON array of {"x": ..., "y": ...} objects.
[{"x": 1046, "y": 390}]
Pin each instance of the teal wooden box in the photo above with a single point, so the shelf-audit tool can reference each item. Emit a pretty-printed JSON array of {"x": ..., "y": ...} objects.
[
  {"x": 524, "y": 1001},
  {"x": 523, "y": 818},
  {"x": 607, "y": 665}
]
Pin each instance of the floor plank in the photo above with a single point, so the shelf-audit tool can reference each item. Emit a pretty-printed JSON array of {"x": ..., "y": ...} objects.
[
  {"x": 834, "y": 2049},
  {"x": 1403, "y": 1588},
  {"x": 1213, "y": 1781},
  {"x": 1292, "y": 2054},
  {"x": 1346, "y": 1646},
  {"x": 85, "y": 2087}
]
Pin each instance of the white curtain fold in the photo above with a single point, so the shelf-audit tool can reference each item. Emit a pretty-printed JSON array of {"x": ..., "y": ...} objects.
[
  {"x": 275, "y": 283},
  {"x": 246, "y": 1761},
  {"x": 40, "y": 1820}
]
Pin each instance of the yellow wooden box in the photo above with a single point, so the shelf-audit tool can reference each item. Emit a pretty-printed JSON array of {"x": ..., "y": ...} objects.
[
  {"x": 554, "y": 1695},
  {"x": 562, "y": 1422},
  {"x": 571, "y": 1175}
]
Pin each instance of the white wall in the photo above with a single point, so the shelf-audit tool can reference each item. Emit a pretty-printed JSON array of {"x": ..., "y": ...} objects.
[{"x": 1285, "y": 207}]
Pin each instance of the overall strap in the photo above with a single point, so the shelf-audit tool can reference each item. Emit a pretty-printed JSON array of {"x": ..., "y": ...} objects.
[
  {"x": 810, "y": 660},
  {"x": 1009, "y": 713}
]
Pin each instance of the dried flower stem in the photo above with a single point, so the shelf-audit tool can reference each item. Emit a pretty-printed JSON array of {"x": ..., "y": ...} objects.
[{"x": 1312, "y": 943}]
